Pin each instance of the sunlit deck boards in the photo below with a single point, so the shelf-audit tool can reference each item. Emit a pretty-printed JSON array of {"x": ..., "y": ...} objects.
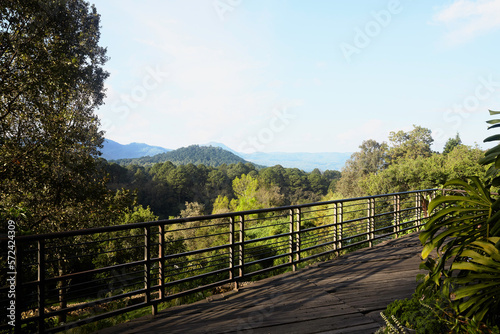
[{"x": 339, "y": 296}]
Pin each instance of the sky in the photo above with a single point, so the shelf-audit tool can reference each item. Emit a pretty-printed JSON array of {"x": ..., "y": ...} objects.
[{"x": 296, "y": 75}]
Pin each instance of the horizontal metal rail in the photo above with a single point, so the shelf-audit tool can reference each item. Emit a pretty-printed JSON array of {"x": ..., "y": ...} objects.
[{"x": 76, "y": 278}]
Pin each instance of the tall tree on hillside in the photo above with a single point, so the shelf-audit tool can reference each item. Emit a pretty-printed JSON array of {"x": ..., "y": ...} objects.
[
  {"x": 451, "y": 144},
  {"x": 51, "y": 81},
  {"x": 413, "y": 144},
  {"x": 370, "y": 159}
]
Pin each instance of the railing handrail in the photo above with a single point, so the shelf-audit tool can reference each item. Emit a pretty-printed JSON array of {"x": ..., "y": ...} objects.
[
  {"x": 113, "y": 228},
  {"x": 230, "y": 251}
]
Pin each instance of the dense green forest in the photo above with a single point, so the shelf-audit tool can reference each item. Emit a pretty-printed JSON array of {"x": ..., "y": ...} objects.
[
  {"x": 194, "y": 154},
  {"x": 405, "y": 163},
  {"x": 167, "y": 189}
]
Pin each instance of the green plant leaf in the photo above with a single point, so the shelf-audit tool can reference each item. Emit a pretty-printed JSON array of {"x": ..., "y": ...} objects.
[
  {"x": 470, "y": 290},
  {"x": 494, "y": 126}
]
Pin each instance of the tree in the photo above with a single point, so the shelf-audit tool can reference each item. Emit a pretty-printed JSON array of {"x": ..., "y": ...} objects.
[
  {"x": 245, "y": 189},
  {"x": 371, "y": 159},
  {"x": 411, "y": 144},
  {"x": 407, "y": 174},
  {"x": 451, "y": 144},
  {"x": 51, "y": 81}
]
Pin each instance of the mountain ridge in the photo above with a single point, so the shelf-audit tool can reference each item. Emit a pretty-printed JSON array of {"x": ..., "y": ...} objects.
[
  {"x": 113, "y": 150},
  {"x": 306, "y": 161}
]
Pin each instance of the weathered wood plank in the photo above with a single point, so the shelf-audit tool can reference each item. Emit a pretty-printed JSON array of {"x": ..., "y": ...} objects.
[{"x": 344, "y": 295}]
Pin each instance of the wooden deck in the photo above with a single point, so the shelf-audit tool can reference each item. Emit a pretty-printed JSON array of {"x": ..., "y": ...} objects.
[{"x": 344, "y": 295}]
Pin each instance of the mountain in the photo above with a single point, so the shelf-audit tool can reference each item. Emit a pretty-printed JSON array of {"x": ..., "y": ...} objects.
[
  {"x": 195, "y": 154},
  {"x": 304, "y": 161},
  {"x": 112, "y": 150},
  {"x": 300, "y": 160},
  {"x": 214, "y": 154}
]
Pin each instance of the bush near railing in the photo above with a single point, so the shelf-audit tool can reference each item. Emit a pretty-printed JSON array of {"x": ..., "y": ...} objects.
[{"x": 77, "y": 278}]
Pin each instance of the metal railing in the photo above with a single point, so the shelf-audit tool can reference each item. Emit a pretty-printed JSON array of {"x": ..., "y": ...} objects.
[{"x": 74, "y": 278}]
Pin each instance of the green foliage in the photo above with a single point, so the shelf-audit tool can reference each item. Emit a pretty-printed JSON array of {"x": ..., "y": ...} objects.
[
  {"x": 165, "y": 187},
  {"x": 492, "y": 156},
  {"x": 194, "y": 154},
  {"x": 52, "y": 81},
  {"x": 122, "y": 245},
  {"x": 245, "y": 189},
  {"x": 411, "y": 313},
  {"x": 451, "y": 144},
  {"x": 431, "y": 314},
  {"x": 370, "y": 160},
  {"x": 462, "y": 245},
  {"x": 410, "y": 145},
  {"x": 407, "y": 163}
]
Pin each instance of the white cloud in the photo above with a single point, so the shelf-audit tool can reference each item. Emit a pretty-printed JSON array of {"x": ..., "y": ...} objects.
[{"x": 466, "y": 19}]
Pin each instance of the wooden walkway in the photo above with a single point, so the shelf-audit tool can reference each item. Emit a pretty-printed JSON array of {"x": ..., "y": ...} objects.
[{"x": 344, "y": 295}]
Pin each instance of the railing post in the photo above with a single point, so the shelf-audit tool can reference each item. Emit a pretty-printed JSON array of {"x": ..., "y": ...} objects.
[
  {"x": 335, "y": 228},
  {"x": 298, "y": 222},
  {"x": 291, "y": 238},
  {"x": 370, "y": 221},
  {"x": 41, "y": 287},
  {"x": 241, "y": 250},
  {"x": 397, "y": 213},
  {"x": 418, "y": 211},
  {"x": 161, "y": 263},
  {"x": 19, "y": 287},
  {"x": 231, "y": 252},
  {"x": 339, "y": 214},
  {"x": 147, "y": 269}
]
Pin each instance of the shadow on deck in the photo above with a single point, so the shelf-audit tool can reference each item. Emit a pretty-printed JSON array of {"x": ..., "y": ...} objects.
[{"x": 344, "y": 295}]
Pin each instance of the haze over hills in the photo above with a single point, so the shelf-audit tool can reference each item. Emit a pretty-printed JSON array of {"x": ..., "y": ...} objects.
[
  {"x": 146, "y": 154},
  {"x": 112, "y": 150},
  {"x": 302, "y": 160}
]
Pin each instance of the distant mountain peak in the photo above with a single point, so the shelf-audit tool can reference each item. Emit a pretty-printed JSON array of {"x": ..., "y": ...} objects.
[
  {"x": 224, "y": 147},
  {"x": 193, "y": 154},
  {"x": 215, "y": 153},
  {"x": 113, "y": 150}
]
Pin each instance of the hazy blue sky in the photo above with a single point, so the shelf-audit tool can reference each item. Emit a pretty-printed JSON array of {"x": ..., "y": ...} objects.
[{"x": 298, "y": 76}]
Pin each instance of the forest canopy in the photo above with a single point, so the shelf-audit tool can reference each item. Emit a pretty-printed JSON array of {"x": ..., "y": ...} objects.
[{"x": 405, "y": 163}]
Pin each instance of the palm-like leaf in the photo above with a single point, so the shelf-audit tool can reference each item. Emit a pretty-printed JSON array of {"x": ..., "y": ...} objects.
[
  {"x": 478, "y": 283},
  {"x": 464, "y": 231},
  {"x": 461, "y": 215}
]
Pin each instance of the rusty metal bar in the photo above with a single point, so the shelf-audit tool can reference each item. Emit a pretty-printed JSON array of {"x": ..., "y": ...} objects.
[
  {"x": 95, "y": 230},
  {"x": 298, "y": 222},
  {"x": 161, "y": 262},
  {"x": 340, "y": 220},
  {"x": 370, "y": 221},
  {"x": 291, "y": 246},
  {"x": 231, "y": 252},
  {"x": 303, "y": 241},
  {"x": 147, "y": 270},
  {"x": 241, "y": 250},
  {"x": 41, "y": 287}
]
